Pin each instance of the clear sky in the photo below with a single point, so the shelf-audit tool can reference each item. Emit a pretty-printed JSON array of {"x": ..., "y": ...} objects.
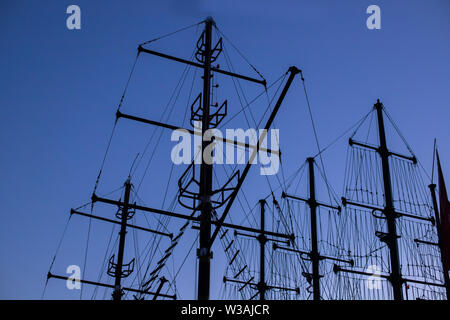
[{"x": 60, "y": 89}]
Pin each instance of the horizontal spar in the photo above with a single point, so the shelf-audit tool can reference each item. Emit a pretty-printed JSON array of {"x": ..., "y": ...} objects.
[
  {"x": 225, "y": 279},
  {"x": 426, "y": 242},
  {"x": 72, "y": 211},
  {"x": 317, "y": 203},
  {"x": 236, "y": 233},
  {"x": 198, "y": 133},
  {"x": 346, "y": 202},
  {"x": 50, "y": 275},
  {"x": 377, "y": 149},
  {"x": 95, "y": 198},
  {"x": 337, "y": 269},
  {"x": 198, "y": 65},
  {"x": 321, "y": 257}
]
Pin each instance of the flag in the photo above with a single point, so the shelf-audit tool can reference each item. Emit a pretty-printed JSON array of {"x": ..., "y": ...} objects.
[{"x": 444, "y": 206}]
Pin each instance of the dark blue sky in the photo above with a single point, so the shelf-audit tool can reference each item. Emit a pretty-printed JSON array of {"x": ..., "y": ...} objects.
[{"x": 60, "y": 90}]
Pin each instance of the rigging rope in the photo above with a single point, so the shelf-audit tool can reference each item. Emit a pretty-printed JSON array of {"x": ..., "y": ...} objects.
[
  {"x": 114, "y": 127},
  {"x": 171, "y": 33},
  {"x": 357, "y": 125},
  {"x": 240, "y": 53},
  {"x": 315, "y": 131}
]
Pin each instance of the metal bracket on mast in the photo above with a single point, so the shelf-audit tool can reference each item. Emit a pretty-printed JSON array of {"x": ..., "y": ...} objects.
[
  {"x": 189, "y": 189},
  {"x": 215, "y": 52}
]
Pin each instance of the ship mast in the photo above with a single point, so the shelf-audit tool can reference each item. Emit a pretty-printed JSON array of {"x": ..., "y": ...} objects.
[
  {"x": 313, "y": 255},
  {"x": 204, "y": 254},
  {"x": 117, "y": 294},
  {"x": 202, "y": 201},
  {"x": 432, "y": 188},
  {"x": 389, "y": 211}
]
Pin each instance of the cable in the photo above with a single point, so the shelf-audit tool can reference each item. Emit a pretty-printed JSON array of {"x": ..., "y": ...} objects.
[
  {"x": 171, "y": 33},
  {"x": 240, "y": 53},
  {"x": 114, "y": 126}
]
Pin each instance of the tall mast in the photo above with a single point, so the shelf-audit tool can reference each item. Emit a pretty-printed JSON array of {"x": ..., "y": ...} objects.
[
  {"x": 439, "y": 232},
  {"x": 389, "y": 211},
  {"x": 262, "y": 238},
  {"x": 315, "y": 257},
  {"x": 204, "y": 254},
  {"x": 262, "y": 245},
  {"x": 117, "y": 294},
  {"x": 390, "y": 214},
  {"x": 198, "y": 199}
]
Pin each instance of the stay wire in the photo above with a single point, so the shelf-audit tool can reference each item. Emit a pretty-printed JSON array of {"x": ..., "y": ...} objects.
[
  {"x": 86, "y": 252},
  {"x": 241, "y": 54},
  {"x": 56, "y": 253},
  {"x": 397, "y": 129},
  {"x": 115, "y": 125},
  {"x": 171, "y": 33},
  {"x": 254, "y": 99},
  {"x": 357, "y": 124},
  {"x": 314, "y": 130}
]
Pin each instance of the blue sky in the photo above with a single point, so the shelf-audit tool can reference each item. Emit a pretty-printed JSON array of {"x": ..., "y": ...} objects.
[{"x": 60, "y": 90}]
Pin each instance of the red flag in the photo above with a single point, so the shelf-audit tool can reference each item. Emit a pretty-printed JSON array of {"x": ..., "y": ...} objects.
[{"x": 444, "y": 206}]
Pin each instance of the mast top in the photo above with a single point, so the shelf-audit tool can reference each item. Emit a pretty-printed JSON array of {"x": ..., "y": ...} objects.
[
  {"x": 378, "y": 104},
  {"x": 210, "y": 20}
]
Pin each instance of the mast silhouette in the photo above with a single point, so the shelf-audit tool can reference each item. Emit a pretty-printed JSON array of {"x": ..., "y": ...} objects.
[
  {"x": 117, "y": 294},
  {"x": 389, "y": 210},
  {"x": 313, "y": 255},
  {"x": 206, "y": 54},
  {"x": 204, "y": 253}
]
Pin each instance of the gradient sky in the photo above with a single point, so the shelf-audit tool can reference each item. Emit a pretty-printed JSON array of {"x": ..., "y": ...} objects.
[{"x": 60, "y": 89}]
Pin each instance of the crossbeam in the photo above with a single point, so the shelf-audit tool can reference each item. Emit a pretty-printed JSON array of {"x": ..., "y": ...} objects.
[
  {"x": 317, "y": 203},
  {"x": 225, "y": 279},
  {"x": 199, "y": 65},
  {"x": 321, "y": 257},
  {"x": 50, "y": 275},
  {"x": 351, "y": 142},
  {"x": 426, "y": 242},
  {"x": 346, "y": 202},
  {"x": 337, "y": 269},
  {"x": 236, "y": 233},
  {"x": 193, "y": 132},
  {"x": 72, "y": 211},
  {"x": 95, "y": 198}
]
